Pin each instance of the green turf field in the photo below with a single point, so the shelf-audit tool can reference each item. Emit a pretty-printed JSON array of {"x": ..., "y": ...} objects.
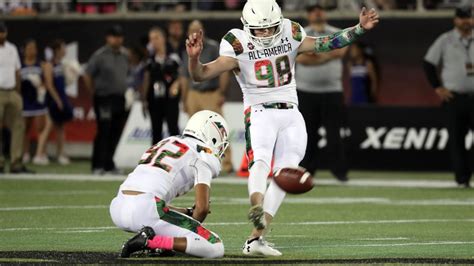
[{"x": 330, "y": 222}]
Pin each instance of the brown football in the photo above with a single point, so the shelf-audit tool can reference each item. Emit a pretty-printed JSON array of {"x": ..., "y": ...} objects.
[{"x": 294, "y": 180}]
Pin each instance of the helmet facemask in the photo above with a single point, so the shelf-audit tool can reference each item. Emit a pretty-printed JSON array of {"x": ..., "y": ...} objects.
[{"x": 264, "y": 42}]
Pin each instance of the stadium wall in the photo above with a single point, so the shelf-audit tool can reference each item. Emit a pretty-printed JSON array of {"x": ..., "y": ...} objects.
[
  {"x": 399, "y": 43},
  {"x": 377, "y": 138}
]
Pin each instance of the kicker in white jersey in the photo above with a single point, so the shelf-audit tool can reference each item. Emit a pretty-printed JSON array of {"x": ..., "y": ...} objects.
[{"x": 265, "y": 74}]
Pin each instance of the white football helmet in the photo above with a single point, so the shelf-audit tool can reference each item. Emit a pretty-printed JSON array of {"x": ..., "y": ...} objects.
[
  {"x": 262, "y": 14},
  {"x": 210, "y": 128}
]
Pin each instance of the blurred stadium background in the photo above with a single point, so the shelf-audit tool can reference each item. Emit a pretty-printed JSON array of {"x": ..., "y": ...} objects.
[
  {"x": 399, "y": 45},
  {"x": 396, "y": 146}
]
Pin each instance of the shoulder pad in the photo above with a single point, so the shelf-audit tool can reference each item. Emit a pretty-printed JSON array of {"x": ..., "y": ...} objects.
[
  {"x": 211, "y": 161},
  {"x": 296, "y": 31},
  {"x": 234, "y": 42}
]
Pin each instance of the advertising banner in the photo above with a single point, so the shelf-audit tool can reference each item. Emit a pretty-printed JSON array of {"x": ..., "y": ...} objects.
[
  {"x": 136, "y": 137},
  {"x": 376, "y": 138}
]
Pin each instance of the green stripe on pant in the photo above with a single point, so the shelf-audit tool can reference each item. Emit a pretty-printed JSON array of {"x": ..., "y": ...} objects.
[
  {"x": 248, "y": 140},
  {"x": 184, "y": 221}
]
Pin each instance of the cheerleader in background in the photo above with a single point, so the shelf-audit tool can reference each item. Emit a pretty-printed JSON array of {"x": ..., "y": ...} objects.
[
  {"x": 363, "y": 71},
  {"x": 34, "y": 108},
  {"x": 60, "y": 110}
]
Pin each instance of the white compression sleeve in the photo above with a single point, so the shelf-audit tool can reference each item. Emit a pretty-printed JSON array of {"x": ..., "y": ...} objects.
[
  {"x": 273, "y": 199},
  {"x": 200, "y": 247},
  {"x": 258, "y": 177}
]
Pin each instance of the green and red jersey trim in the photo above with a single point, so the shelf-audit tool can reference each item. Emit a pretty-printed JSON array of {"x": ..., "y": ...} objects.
[
  {"x": 184, "y": 221},
  {"x": 248, "y": 139}
]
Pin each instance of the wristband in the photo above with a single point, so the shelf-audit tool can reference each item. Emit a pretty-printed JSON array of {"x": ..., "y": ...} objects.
[
  {"x": 359, "y": 30},
  {"x": 189, "y": 212}
]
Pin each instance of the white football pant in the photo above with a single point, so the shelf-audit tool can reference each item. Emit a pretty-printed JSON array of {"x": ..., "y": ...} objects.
[{"x": 132, "y": 213}]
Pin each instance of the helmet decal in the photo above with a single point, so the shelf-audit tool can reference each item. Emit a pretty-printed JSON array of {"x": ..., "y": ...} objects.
[
  {"x": 202, "y": 148},
  {"x": 221, "y": 129},
  {"x": 211, "y": 129}
]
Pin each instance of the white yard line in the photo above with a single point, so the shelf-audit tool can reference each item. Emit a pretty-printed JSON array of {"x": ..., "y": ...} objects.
[
  {"x": 54, "y": 193},
  {"x": 425, "y": 183},
  {"x": 312, "y": 201},
  {"x": 414, "y": 244},
  {"x": 63, "y": 177},
  {"x": 355, "y": 222},
  {"x": 351, "y": 200},
  {"x": 247, "y": 223},
  {"x": 383, "y": 245},
  {"x": 290, "y": 236},
  {"x": 382, "y": 222},
  {"x": 57, "y": 229},
  {"x": 418, "y": 183},
  {"x": 381, "y": 239},
  {"x": 79, "y": 231},
  {"x": 37, "y": 208}
]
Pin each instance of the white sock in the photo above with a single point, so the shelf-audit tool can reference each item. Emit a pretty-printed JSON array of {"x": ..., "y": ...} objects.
[
  {"x": 200, "y": 247},
  {"x": 273, "y": 199},
  {"x": 258, "y": 177}
]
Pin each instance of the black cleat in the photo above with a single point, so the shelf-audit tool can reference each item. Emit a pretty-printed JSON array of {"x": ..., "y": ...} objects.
[
  {"x": 464, "y": 185},
  {"x": 138, "y": 242},
  {"x": 21, "y": 170},
  {"x": 342, "y": 178}
]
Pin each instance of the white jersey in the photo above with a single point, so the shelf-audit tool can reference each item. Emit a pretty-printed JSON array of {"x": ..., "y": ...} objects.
[
  {"x": 173, "y": 167},
  {"x": 265, "y": 74}
]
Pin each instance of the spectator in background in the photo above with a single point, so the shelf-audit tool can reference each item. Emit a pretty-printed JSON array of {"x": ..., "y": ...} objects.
[
  {"x": 136, "y": 72},
  {"x": 363, "y": 73},
  {"x": 11, "y": 105},
  {"x": 54, "y": 7},
  {"x": 106, "y": 79},
  {"x": 384, "y": 4},
  {"x": 234, "y": 4},
  {"x": 454, "y": 52},
  {"x": 94, "y": 7},
  {"x": 34, "y": 109},
  {"x": 60, "y": 110},
  {"x": 319, "y": 80},
  {"x": 172, "y": 5},
  {"x": 175, "y": 43},
  {"x": 18, "y": 7},
  {"x": 161, "y": 87},
  {"x": 136, "y": 58},
  {"x": 207, "y": 95}
]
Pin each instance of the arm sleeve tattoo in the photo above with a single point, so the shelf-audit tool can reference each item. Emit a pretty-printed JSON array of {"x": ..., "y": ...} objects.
[{"x": 338, "y": 40}]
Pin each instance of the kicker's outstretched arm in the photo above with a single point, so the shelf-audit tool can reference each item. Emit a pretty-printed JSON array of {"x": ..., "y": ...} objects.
[
  {"x": 201, "y": 72},
  {"x": 367, "y": 21},
  {"x": 337, "y": 40}
]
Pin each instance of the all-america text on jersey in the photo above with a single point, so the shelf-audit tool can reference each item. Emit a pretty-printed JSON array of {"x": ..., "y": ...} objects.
[{"x": 273, "y": 51}]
